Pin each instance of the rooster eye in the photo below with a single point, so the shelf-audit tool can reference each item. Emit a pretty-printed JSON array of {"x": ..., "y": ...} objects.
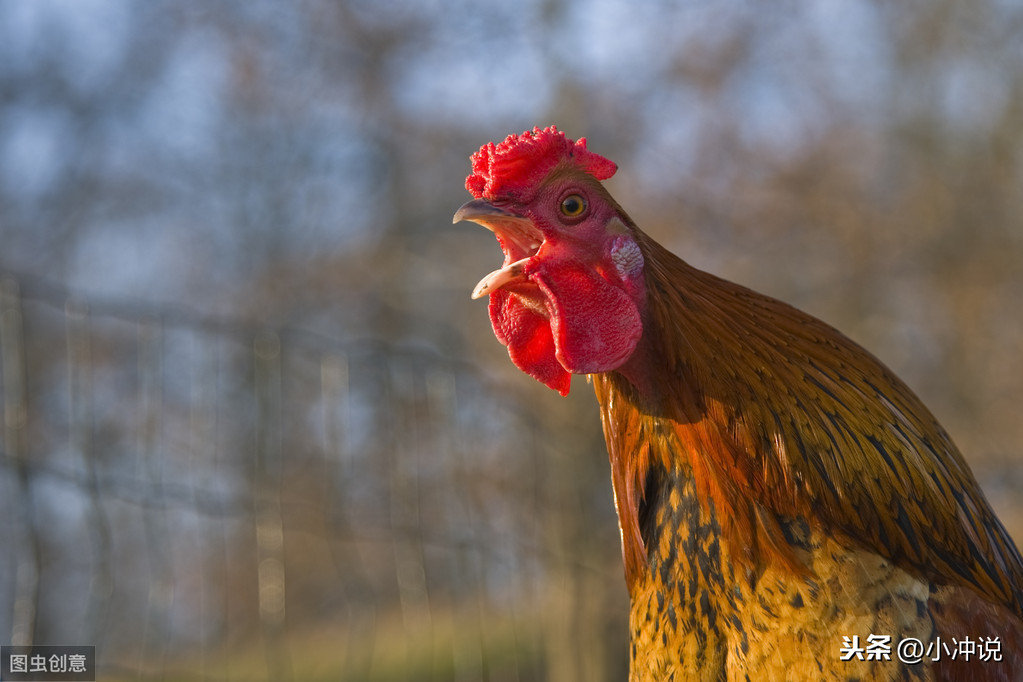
[{"x": 573, "y": 206}]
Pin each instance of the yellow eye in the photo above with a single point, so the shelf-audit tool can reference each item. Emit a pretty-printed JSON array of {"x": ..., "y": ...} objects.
[{"x": 573, "y": 206}]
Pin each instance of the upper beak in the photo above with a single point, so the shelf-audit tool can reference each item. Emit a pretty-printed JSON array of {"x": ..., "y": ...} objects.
[
  {"x": 519, "y": 238},
  {"x": 480, "y": 211}
]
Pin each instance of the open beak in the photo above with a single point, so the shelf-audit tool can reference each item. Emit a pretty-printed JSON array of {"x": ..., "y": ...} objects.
[{"x": 519, "y": 238}]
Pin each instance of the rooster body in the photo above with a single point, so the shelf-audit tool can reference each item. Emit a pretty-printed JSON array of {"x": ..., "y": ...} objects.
[{"x": 789, "y": 509}]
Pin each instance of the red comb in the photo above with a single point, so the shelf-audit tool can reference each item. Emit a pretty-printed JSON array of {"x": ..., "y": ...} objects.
[{"x": 521, "y": 161}]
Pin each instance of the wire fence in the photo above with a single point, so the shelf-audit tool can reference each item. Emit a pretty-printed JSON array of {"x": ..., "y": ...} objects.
[{"x": 210, "y": 498}]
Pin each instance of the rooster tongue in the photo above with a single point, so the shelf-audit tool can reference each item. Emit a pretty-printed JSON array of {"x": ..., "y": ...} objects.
[{"x": 498, "y": 278}]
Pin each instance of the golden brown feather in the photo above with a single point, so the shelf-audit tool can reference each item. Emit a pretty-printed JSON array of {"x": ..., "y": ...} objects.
[{"x": 779, "y": 488}]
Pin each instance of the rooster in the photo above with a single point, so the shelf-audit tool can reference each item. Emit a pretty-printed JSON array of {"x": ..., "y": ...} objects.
[{"x": 788, "y": 508}]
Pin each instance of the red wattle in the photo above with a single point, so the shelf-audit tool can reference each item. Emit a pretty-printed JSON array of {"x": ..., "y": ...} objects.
[
  {"x": 591, "y": 325},
  {"x": 595, "y": 323},
  {"x": 529, "y": 339}
]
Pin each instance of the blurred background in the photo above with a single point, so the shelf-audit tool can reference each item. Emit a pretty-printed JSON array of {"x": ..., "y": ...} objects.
[{"x": 253, "y": 426}]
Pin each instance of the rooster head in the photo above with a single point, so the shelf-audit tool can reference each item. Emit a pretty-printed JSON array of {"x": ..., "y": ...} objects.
[{"x": 568, "y": 298}]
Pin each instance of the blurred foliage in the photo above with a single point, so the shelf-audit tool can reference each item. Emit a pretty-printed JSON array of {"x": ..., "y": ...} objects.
[{"x": 238, "y": 330}]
